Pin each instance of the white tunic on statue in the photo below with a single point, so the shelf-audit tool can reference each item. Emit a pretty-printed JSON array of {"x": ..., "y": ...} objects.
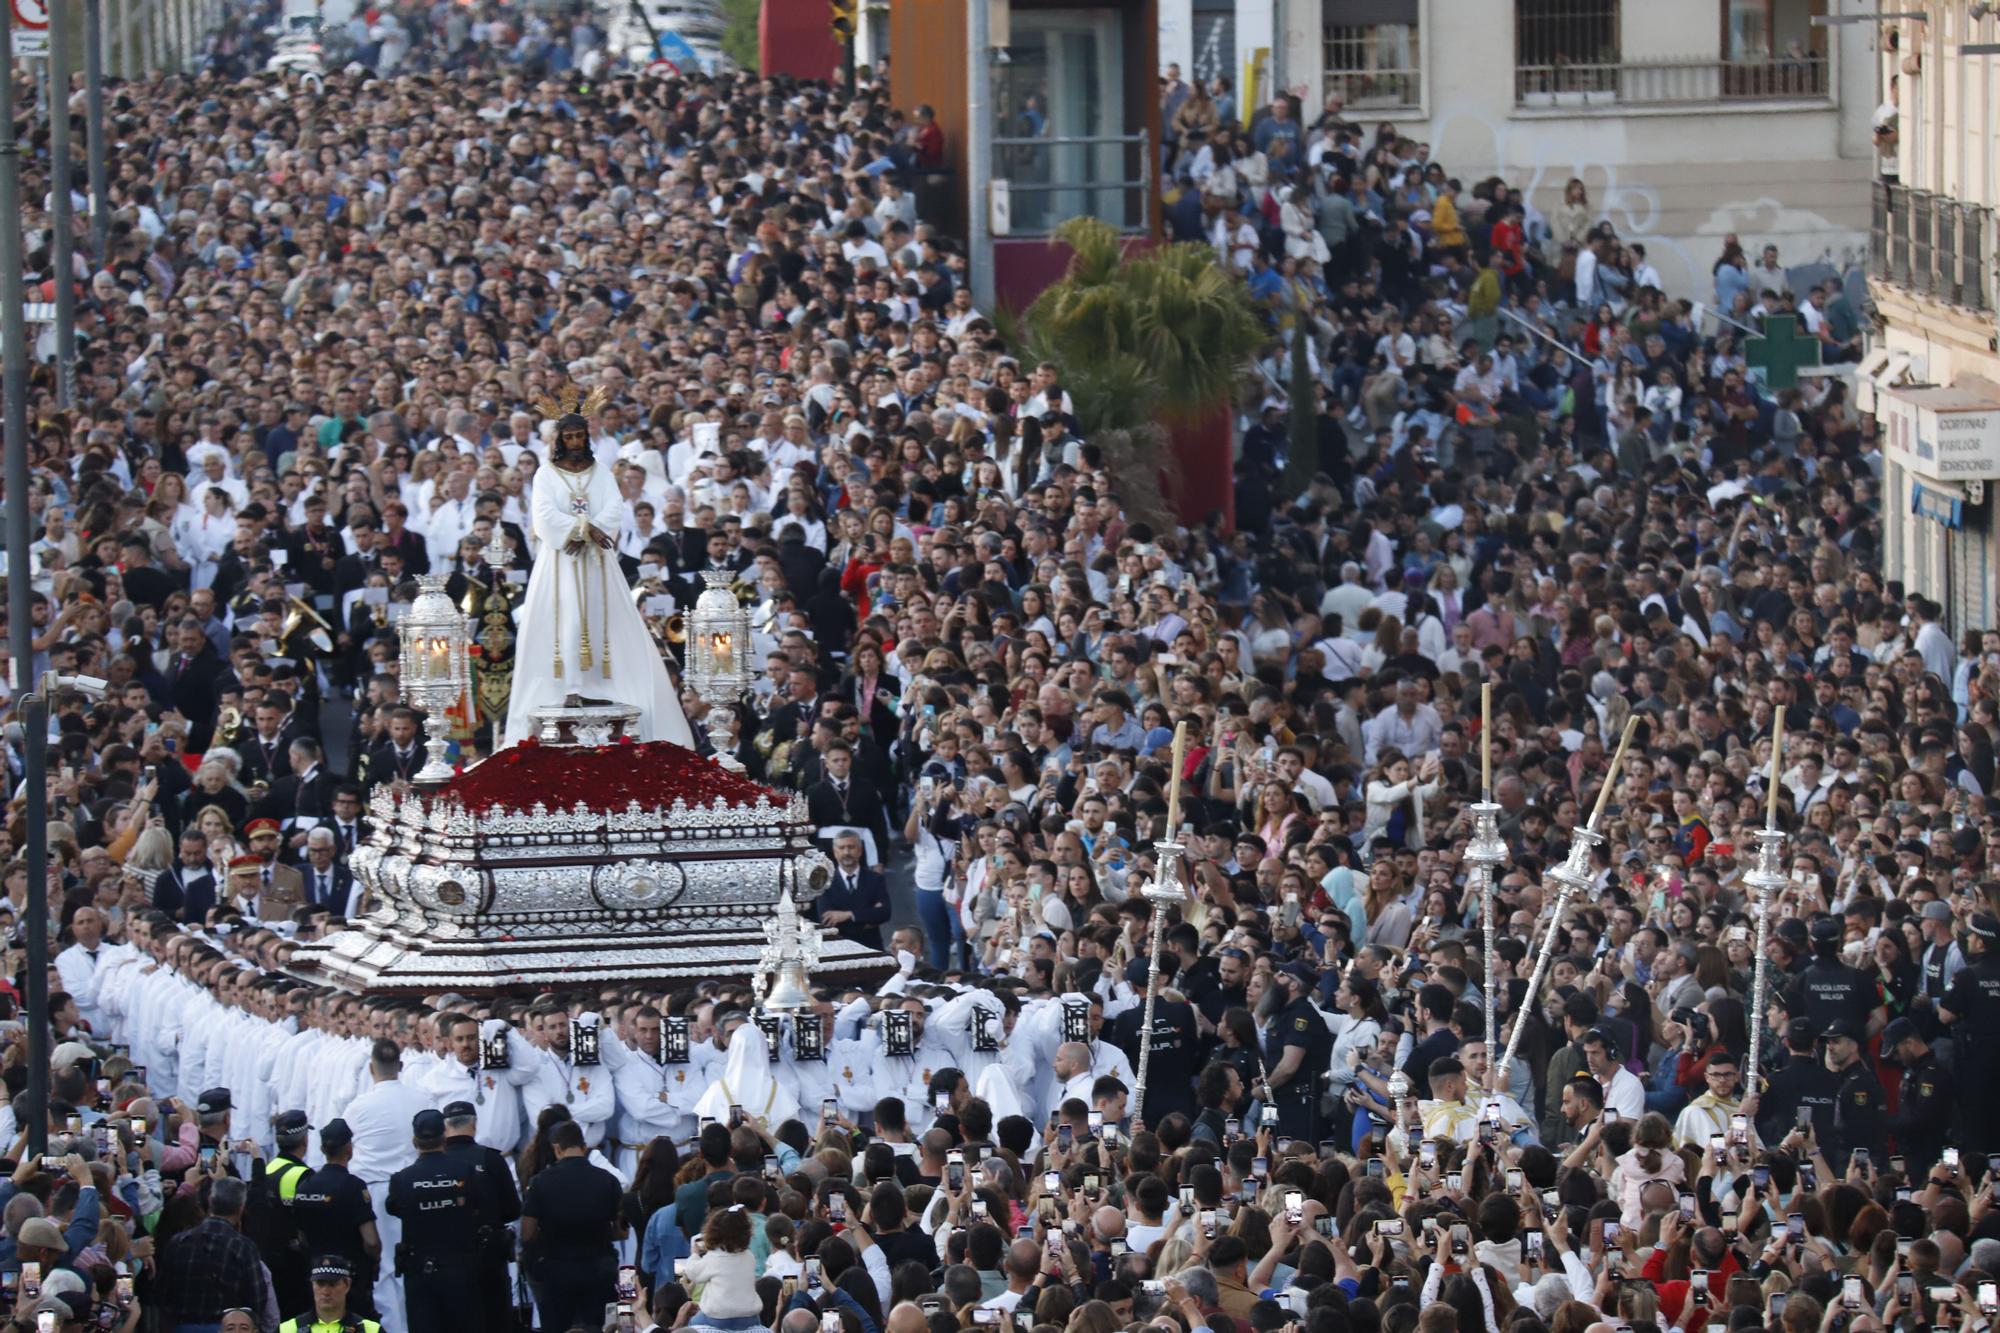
[{"x": 638, "y": 674}]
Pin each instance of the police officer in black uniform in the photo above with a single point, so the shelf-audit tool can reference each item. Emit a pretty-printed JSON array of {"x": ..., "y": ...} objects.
[
  {"x": 1802, "y": 1084},
  {"x": 334, "y": 1216},
  {"x": 1831, "y": 990},
  {"x": 496, "y": 1242},
  {"x": 442, "y": 1199},
  {"x": 1175, "y": 1042},
  {"x": 1971, "y": 1009},
  {"x": 1298, "y": 1052},
  {"x": 268, "y": 1220},
  {"x": 1860, "y": 1121},
  {"x": 1922, "y": 1122}
]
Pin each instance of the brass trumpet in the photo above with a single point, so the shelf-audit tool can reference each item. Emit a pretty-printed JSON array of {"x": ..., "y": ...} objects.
[
  {"x": 676, "y": 628},
  {"x": 320, "y": 636}
]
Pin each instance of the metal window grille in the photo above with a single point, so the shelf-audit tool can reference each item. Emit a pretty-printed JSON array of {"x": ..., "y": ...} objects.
[
  {"x": 1375, "y": 64},
  {"x": 1949, "y": 217},
  {"x": 1922, "y": 219},
  {"x": 1566, "y": 46},
  {"x": 1975, "y": 259},
  {"x": 1878, "y": 228}
]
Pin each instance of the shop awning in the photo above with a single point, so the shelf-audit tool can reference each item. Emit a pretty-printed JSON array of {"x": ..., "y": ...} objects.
[{"x": 1940, "y": 501}]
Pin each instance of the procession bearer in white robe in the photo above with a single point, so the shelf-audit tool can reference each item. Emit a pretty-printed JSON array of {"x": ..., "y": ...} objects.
[
  {"x": 585, "y": 1089},
  {"x": 579, "y": 631}
]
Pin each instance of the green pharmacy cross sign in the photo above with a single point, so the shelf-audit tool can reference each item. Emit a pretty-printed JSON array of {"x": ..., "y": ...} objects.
[{"x": 1781, "y": 351}]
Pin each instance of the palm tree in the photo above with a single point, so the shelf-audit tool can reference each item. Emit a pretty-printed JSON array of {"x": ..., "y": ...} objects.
[{"x": 1146, "y": 340}]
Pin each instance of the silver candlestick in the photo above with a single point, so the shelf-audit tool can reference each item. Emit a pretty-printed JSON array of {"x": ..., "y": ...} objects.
[
  {"x": 1397, "y": 1142},
  {"x": 1485, "y": 854},
  {"x": 1765, "y": 883},
  {"x": 1572, "y": 876},
  {"x": 1167, "y": 888}
]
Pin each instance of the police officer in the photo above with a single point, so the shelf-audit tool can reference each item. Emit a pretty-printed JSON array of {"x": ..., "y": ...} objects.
[
  {"x": 1802, "y": 1084},
  {"x": 1922, "y": 1122},
  {"x": 269, "y": 1220},
  {"x": 1834, "y": 992},
  {"x": 1175, "y": 1041},
  {"x": 496, "y": 1242},
  {"x": 1298, "y": 1051},
  {"x": 1859, "y": 1122},
  {"x": 332, "y": 1283},
  {"x": 441, "y": 1199},
  {"x": 1971, "y": 1009},
  {"x": 335, "y": 1217}
]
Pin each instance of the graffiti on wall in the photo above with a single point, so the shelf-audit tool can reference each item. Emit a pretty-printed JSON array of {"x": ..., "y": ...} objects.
[{"x": 1476, "y": 144}]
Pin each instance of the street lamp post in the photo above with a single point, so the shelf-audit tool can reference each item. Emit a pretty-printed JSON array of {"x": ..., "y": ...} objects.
[
  {"x": 20, "y": 603},
  {"x": 93, "y": 79},
  {"x": 61, "y": 212}
]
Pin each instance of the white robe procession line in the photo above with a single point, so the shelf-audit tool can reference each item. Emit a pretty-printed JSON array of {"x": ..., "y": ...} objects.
[{"x": 574, "y": 596}]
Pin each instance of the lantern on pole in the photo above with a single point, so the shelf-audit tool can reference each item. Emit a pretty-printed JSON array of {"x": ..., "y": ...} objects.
[
  {"x": 718, "y": 659},
  {"x": 436, "y": 668}
]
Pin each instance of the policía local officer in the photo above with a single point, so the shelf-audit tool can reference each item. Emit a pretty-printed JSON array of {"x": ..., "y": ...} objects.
[
  {"x": 440, "y": 1199},
  {"x": 1831, "y": 991},
  {"x": 275, "y": 1228},
  {"x": 1298, "y": 1050},
  {"x": 336, "y": 1217},
  {"x": 496, "y": 1248},
  {"x": 332, "y": 1281}
]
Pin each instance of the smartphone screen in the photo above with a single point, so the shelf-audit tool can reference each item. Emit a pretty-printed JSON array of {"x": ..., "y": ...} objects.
[{"x": 628, "y": 1282}]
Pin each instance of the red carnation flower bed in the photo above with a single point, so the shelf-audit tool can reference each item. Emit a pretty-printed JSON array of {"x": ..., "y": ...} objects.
[{"x": 611, "y": 777}]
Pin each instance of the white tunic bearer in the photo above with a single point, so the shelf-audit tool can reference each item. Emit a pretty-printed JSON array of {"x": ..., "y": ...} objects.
[{"x": 562, "y": 590}]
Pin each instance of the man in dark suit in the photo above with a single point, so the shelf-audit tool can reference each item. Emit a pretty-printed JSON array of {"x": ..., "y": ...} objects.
[
  {"x": 350, "y": 828},
  {"x": 186, "y": 891},
  {"x": 266, "y": 750},
  {"x": 327, "y": 881},
  {"x": 842, "y": 798},
  {"x": 855, "y": 903},
  {"x": 352, "y": 571},
  {"x": 192, "y": 677},
  {"x": 400, "y": 755},
  {"x": 305, "y": 791}
]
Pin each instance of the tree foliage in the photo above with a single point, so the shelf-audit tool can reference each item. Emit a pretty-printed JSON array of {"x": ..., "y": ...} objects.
[
  {"x": 739, "y": 37},
  {"x": 1148, "y": 335}
]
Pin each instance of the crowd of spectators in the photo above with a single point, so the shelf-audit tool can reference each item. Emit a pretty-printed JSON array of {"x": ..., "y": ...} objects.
[{"x": 304, "y": 373}]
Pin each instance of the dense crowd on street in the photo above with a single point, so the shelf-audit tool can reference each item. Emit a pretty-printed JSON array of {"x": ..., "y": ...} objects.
[{"x": 305, "y": 374}]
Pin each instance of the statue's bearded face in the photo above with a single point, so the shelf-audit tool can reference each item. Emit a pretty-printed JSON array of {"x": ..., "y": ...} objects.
[{"x": 572, "y": 440}]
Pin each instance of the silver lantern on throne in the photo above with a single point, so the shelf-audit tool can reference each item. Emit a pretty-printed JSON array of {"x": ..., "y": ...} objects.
[
  {"x": 718, "y": 660},
  {"x": 435, "y": 667}
]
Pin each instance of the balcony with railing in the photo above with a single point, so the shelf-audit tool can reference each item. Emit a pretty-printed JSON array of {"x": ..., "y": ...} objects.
[
  {"x": 1671, "y": 83},
  {"x": 1935, "y": 246}
]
